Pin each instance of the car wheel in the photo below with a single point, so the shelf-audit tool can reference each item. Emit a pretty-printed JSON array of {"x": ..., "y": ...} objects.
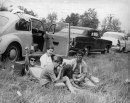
[{"x": 12, "y": 53}]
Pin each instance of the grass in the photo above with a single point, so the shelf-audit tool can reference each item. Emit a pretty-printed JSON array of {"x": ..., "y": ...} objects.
[{"x": 111, "y": 69}]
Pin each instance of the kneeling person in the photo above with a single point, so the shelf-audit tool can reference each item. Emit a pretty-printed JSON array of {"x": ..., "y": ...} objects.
[{"x": 80, "y": 72}]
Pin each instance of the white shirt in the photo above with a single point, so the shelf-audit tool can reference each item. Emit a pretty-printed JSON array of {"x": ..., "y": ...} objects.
[
  {"x": 67, "y": 61},
  {"x": 45, "y": 61}
]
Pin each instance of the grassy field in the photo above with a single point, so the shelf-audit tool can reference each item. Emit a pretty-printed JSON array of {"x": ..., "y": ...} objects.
[{"x": 111, "y": 69}]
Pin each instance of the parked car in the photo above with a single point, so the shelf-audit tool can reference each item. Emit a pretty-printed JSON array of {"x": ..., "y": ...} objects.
[
  {"x": 81, "y": 38},
  {"x": 19, "y": 30},
  {"x": 118, "y": 40}
]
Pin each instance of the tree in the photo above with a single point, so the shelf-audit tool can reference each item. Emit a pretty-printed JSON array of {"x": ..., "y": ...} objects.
[
  {"x": 2, "y": 5},
  {"x": 73, "y": 19},
  {"x": 52, "y": 17},
  {"x": 89, "y": 19},
  {"x": 111, "y": 24},
  {"x": 27, "y": 11}
]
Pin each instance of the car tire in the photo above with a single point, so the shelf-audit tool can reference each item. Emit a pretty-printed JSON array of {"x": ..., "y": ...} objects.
[{"x": 12, "y": 53}]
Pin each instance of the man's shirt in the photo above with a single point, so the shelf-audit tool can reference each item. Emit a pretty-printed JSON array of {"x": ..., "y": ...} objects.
[{"x": 45, "y": 60}]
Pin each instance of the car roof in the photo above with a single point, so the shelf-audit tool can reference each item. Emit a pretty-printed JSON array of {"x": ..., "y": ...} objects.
[
  {"x": 14, "y": 16},
  {"x": 115, "y": 33}
]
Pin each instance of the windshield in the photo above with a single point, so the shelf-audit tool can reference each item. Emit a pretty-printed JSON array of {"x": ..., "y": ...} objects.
[
  {"x": 3, "y": 21},
  {"x": 112, "y": 36},
  {"x": 74, "y": 31}
]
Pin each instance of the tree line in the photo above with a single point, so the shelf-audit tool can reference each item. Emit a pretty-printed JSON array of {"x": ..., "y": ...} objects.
[{"x": 88, "y": 19}]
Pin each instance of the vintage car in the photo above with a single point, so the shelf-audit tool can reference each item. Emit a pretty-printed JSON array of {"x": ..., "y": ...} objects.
[
  {"x": 118, "y": 40},
  {"x": 19, "y": 30},
  {"x": 81, "y": 38}
]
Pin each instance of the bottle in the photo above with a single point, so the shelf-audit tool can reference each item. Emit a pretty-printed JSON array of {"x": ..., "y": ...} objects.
[
  {"x": 27, "y": 60},
  {"x": 32, "y": 49}
]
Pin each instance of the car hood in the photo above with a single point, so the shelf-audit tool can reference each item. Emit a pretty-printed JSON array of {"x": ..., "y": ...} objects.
[{"x": 114, "y": 40}]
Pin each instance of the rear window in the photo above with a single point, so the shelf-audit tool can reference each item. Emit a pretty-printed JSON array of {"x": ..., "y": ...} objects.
[{"x": 3, "y": 21}]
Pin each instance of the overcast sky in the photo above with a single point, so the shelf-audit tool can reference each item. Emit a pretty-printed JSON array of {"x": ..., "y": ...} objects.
[{"x": 118, "y": 8}]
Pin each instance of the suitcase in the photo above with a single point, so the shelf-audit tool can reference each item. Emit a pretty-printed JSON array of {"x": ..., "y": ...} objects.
[{"x": 19, "y": 68}]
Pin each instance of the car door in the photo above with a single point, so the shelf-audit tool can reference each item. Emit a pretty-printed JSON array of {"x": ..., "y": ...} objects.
[
  {"x": 59, "y": 41},
  {"x": 24, "y": 33},
  {"x": 96, "y": 40}
]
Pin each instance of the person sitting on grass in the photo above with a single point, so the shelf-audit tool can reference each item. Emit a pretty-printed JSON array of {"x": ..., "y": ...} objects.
[
  {"x": 76, "y": 69},
  {"x": 46, "y": 75}
]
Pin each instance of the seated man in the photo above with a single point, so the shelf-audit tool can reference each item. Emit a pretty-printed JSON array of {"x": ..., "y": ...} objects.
[{"x": 77, "y": 67}]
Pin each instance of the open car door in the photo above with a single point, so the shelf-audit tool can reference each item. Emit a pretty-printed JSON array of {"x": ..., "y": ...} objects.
[{"x": 59, "y": 39}]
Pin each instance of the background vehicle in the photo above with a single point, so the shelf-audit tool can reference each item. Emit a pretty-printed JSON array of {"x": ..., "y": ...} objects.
[
  {"x": 118, "y": 40},
  {"x": 81, "y": 38}
]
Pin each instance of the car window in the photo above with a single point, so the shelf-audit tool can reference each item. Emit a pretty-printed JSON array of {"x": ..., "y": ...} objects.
[
  {"x": 23, "y": 25},
  {"x": 3, "y": 21},
  {"x": 59, "y": 27},
  {"x": 36, "y": 24},
  {"x": 95, "y": 34}
]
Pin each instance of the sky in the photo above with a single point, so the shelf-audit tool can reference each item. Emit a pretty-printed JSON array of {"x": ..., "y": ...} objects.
[{"x": 117, "y": 8}]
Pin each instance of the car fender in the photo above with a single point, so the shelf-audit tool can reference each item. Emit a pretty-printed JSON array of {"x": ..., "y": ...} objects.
[{"x": 6, "y": 40}]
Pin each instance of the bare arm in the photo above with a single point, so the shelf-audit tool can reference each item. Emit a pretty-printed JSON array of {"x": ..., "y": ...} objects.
[{"x": 59, "y": 74}]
